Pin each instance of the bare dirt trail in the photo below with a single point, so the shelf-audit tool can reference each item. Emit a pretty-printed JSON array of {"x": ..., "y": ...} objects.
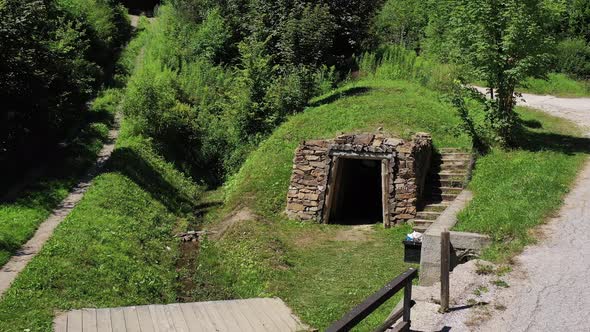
[
  {"x": 550, "y": 285},
  {"x": 25, "y": 254}
]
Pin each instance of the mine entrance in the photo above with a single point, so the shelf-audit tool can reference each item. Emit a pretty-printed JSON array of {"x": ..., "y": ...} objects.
[{"x": 357, "y": 192}]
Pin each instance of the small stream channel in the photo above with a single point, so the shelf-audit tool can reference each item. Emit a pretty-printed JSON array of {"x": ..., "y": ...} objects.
[{"x": 187, "y": 262}]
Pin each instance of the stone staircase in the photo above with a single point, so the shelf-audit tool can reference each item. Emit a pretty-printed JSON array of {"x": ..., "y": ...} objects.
[{"x": 447, "y": 177}]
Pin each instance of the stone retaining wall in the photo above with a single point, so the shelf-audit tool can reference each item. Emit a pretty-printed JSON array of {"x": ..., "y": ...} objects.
[{"x": 315, "y": 162}]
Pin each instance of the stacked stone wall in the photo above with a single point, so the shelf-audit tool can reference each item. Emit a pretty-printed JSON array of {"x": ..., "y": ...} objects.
[
  {"x": 414, "y": 158},
  {"x": 408, "y": 164}
]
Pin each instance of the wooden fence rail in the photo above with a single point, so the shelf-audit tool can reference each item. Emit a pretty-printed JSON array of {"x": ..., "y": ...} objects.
[{"x": 360, "y": 312}]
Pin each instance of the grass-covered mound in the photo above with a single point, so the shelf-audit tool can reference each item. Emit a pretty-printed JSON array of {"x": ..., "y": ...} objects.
[
  {"x": 115, "y": 248},
  {"x": 322, "y": 271},
  {"x": 401, "y": 108}
]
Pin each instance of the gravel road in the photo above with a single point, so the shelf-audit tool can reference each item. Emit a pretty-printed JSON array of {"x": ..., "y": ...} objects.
[{"x": 550, "y": 285}]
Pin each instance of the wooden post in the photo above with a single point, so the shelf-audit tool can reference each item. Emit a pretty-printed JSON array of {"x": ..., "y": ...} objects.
[
  {"x": 445, "y": 264},
  {"x": 407, "y": 301},
  {"x": 385, "y": 192},
  {"x": 331, "y": 189}
]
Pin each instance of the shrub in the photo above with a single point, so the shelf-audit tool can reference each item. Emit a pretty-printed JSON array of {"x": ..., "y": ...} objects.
[
  {"x": 394, "y": 62},
  {"x": 573, "y": 58},
  {"x": 401, "y": 22}
]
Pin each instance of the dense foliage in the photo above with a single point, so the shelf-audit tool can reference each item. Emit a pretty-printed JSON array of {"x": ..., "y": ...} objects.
[
  {"x": 216, "y": 77},
  {"x": 53, "y": 57}
]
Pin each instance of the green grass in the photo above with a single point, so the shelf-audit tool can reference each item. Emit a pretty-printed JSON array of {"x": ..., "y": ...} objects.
[
  {"x": 516, "y": 190},
  {"x": 19, "y": 219},
  {"x": 559, "y": 85},
  {"x": 320, "y": 271},
  {"x": 328, "y": 277},
  {"x": 308, "y": 265},
  {"x": 322, "y": 278},
  {"x": 400, "y": 108},
  {"x": 115, "y": 248}
]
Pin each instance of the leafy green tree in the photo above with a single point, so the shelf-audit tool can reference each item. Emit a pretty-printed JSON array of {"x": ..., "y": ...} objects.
[
  {"x": 579, "y": 18},
  {"x": 307, "y": 37},
  {"x": 505, "y": 41},
  {"x": 401, "y": 22},
  {"x": 45, "y": 77}
]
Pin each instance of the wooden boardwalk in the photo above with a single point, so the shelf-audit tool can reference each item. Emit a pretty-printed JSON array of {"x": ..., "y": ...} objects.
[{"x": 260, "y": 314}]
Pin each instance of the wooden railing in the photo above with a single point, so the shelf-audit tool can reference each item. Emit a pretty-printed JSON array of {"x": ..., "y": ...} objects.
[{"x": 360, "y": 312}]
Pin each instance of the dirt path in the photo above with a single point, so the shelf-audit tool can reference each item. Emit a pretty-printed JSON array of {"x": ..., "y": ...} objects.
[
  {"x": 549, "y": 288},
  {"x": 25, "y": 254}
]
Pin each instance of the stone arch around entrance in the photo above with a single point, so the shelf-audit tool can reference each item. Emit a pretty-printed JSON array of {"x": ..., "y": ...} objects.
[{"x": 317, "y": 177}]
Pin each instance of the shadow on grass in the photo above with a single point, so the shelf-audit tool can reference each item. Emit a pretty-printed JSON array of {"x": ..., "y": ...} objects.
[
  {"x": 353, "y": 91},
  {"x": 566, "y": 144},
  {"x": 130, "y": 163},
  {"x": 533, "y": 124}
]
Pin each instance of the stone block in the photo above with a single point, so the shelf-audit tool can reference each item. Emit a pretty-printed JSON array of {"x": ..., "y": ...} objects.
[
  {"x": 363, "y": 139},
  {"x": 295, "y": 207}
]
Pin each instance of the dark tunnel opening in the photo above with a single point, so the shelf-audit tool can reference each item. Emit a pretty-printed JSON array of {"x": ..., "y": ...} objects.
[{"x": 359, "y": 199}]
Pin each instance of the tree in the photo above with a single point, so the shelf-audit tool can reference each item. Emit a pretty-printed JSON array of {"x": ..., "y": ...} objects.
[
  {"x": 401, "y": 22},
  {"x": 505, "y": 42},
  {"x": 579, "y": 18}
]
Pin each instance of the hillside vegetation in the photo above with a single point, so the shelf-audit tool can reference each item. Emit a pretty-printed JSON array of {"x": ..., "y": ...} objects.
[
  {"x": 56, "y": 56},
  {"x": 318, "y": 269},
  {"x": 48, "y": 82},
  {"x": 218, "y": 94},
  {"x": 116, "y": 248}
]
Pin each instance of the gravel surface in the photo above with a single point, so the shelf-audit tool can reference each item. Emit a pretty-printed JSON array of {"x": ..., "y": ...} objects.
[{"x": 550, "y": 284}]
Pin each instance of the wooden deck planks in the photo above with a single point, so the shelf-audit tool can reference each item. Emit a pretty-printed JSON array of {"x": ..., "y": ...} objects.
[
  {"x": 161, "y": 319},
  {"x": 103, "y": 320},
  {"x": 251, "y": 315},
  {"x": 60, "y": 324},
  {"x": 89, "y": 320},
  {"x": 117, "y": 320},
  {"x": 207, "y": 321},
  {"x": 131, "y": 319},
  {"x": 191, "y": 318},
  {"x": 146, "y": 323},
  {"x": 175, "y": 314}
]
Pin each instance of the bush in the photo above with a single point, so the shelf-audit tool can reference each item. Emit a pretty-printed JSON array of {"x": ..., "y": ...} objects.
[
  {"x": 573, "y": 58},
  {"x": 401, "y": 22},
  {"x": 394, "y": 62},
  {"x": 54, "y": 56},
  {"x": 44, "y": 77}
]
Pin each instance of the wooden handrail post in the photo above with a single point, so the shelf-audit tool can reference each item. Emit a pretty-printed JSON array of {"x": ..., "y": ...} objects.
[
  {"x": 445, "y": 253},
  {"x": 361, "y": 311},
  {"x": 407, "y": 300}
]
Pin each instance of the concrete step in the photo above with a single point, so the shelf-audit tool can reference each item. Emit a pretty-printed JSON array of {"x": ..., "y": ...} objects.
[
  {"x": 442, "y": 197},
  {"x": 447, "y": 167},
  {"x": 446, "y": 190},
  {"x": 456, "y": 177},
  {"x": 452, "y": 150},
  {"x": 455, "y": 156},
  {"x": 419, "y": 229},
  {"x": 455, "y": 162},
  {"x": 451, "y": 183},
  {"x": 435, "y": 207},
  {"x": 428, "y": 215},
  {"x": 452, "y": 172},
  {"x": 421, "y": 226}
]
